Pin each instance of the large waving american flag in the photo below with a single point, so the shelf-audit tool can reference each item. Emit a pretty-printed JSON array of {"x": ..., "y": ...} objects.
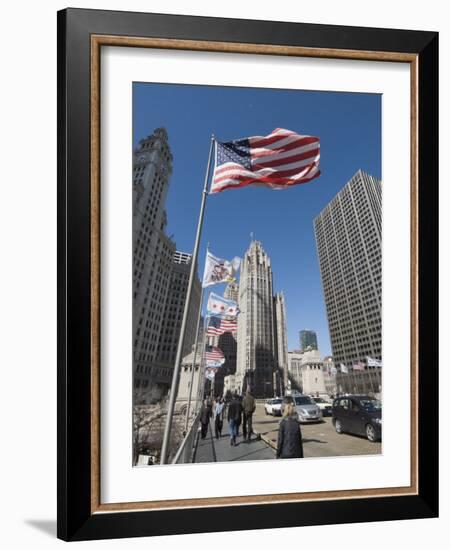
[{"x": 279, "y": 160}]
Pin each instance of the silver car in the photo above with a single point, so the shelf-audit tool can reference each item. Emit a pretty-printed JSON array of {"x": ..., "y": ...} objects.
[{"x": 307, "y": 410}]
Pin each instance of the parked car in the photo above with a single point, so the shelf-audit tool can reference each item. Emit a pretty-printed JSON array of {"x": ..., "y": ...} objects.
[
  {"x": 273, "y": 406},
  {"x": 286, "y": 399},
  {"x": 323, "y": 405},
  {"x": 307, "y": 410},
  {"x": 359, "y": 415}
]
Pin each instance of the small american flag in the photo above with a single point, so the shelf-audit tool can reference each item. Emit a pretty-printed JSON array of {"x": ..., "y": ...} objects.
[
  {"x": 214, "y": 355},
  {"x": 358, "y": 366},
  {"x": 279, "y": 160},
  {"x": 219, "y": 326}
]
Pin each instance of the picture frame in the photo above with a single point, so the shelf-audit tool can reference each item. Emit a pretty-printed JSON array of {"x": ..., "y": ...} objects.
[{"x": 81, "y": 35}]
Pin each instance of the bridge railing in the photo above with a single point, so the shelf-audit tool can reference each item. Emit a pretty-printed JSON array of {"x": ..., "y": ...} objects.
[{"x": 185, "y": 452}]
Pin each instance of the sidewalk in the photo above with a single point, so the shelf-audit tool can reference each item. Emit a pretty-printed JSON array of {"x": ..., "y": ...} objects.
[{"x": 211, "y": 449}]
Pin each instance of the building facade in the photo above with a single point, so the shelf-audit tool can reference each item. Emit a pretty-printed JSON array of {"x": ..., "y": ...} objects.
[
  {"x": 295, "y": 361},
  {"x": 329, "y": 374},
  {"x": 256, "y": 353},
  {"x": 191, "y": 374},
  {"x": 348, "y": 237},
  {"x": 159, "y": 274},
  {"x": 152, "y": 260},
  {"x": 231, "y": 292},
  {"x": 306, "y": 372},
  {"x": 174, "y": 308},
  {"x": 281, "y": 346},
  {"x": 308, "y": 339}
]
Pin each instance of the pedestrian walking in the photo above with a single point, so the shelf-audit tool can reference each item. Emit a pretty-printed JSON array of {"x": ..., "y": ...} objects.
[
  {"x": 218, "y": 417},
  {"x": 234, "y": 416},
  {"x": 248, "y": 406},
  {"x": 239, "y": 420},
  {"x": 205, "y": 415},
  {"x": 290, "y": 444}
]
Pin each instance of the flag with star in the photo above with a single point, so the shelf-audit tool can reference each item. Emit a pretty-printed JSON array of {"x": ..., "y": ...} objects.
[
  {"x": 279, "y": 160},
  {"x": 218, "y": 270},
  {"x": 221, "y": 307}
]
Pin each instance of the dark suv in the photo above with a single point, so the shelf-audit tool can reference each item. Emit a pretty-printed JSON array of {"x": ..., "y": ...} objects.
[{"x": 358, "y": 414}]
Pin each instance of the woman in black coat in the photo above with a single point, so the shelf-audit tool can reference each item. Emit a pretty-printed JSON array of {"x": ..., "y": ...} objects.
[{"x": 290, "y": 443}]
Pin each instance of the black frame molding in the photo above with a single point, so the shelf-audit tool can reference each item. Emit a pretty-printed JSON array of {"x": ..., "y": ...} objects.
[{"x": 75, "y": 519}]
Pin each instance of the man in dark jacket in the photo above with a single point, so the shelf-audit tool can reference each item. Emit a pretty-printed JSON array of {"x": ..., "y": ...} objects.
[
  {"x": 290, "y": 443},
  {"x": 249, "y": 406},
  {"x": 234, "y": 417},
  {"x": 205, "y": 415}
]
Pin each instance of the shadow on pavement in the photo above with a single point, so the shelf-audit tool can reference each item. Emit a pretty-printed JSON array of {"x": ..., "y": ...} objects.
[{"x": 245, "y": 456}]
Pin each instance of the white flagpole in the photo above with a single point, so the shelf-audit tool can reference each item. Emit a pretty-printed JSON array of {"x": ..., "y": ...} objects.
[{"x": 176, "y": 371}]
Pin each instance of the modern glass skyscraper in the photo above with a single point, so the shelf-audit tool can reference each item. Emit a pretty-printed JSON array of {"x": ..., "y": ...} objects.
[
  {"x": 348, "y": 237},
  {"x": 308, "y": 339}
]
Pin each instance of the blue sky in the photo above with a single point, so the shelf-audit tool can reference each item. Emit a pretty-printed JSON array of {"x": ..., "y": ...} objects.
[{"x": 349, "y": 128}]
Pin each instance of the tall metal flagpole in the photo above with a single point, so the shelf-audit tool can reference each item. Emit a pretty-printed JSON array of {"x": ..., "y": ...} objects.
[
  {"x": 188, "y": 410},
  {"x": 176, "y": 371},
  {"x": 203, "y": 360}
]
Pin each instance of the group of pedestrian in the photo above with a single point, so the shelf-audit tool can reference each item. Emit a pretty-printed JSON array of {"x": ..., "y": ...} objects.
[
  {"x": 240, "y": 411},
  {"x": 213, "y": 410}
]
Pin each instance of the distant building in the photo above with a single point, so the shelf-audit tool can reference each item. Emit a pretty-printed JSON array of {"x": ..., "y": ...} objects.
[
  {"x": 308, "y": 339},
  {"x": 231, "y": 292},
  {"x": 190, "y": 374},
  {"x": 280, "y": 324},
  {"x": 329, "y": 374},
  {"x": 348, "y": 237},
  {"x": 182, "y": 257},
  {"x": 306, "y": 372},
  {"x": 295, "y": 362},
  {"x": 256, "y": 353},
  {"x": 174, "y": 308},
  {"x": 229, "y": 385}
]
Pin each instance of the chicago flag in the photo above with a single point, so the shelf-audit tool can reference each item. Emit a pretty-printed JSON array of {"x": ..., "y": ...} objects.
[{"x": 221, "y": 307}]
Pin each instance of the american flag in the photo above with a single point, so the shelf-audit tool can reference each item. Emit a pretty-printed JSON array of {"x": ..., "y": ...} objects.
[
  {"x": 279, "y": 160},
  {"x": 358, "y": 366},
  {"x": 214, "y": 355},
  {"x": 219, "y": 326}
]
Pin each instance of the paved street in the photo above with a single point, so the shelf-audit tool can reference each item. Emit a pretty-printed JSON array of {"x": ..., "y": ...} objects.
[
  {"x": 319, "y": 439},
  {"x": 220, "y": 450}
]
